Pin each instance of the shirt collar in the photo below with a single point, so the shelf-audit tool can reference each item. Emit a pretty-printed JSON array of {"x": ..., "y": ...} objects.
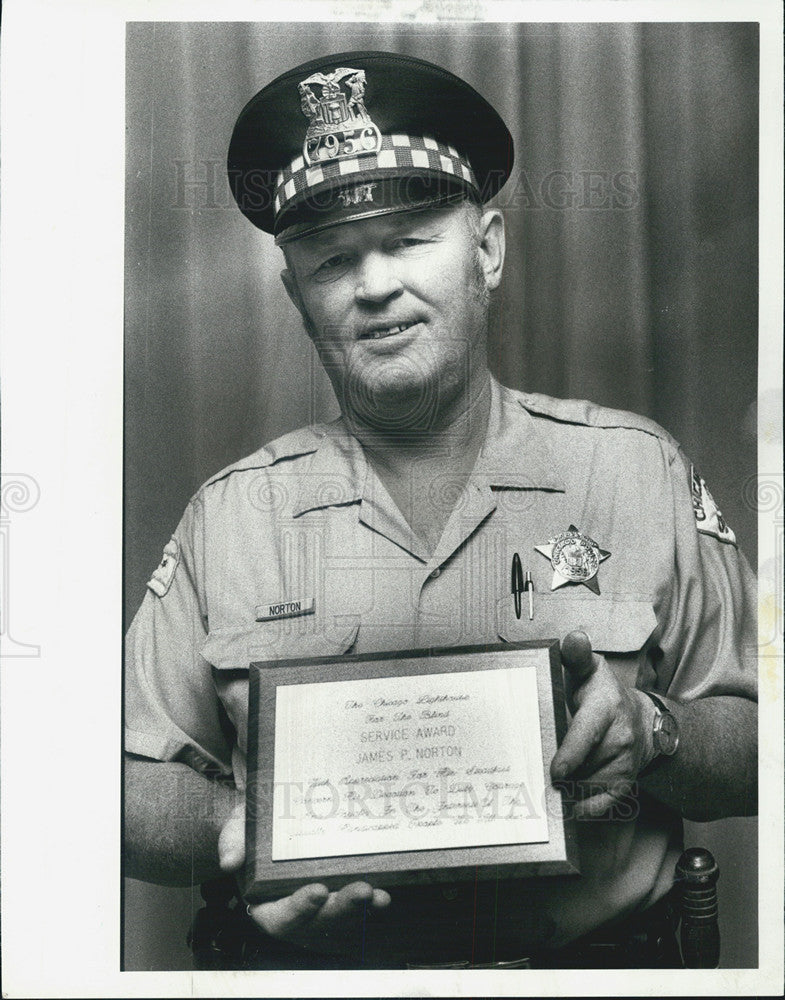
[
  {"x": 337, "y": 471},
  {"x": 515, "y": 455}
]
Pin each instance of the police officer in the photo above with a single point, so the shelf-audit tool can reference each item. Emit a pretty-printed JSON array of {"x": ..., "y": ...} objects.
[{"x": 395, "y": 526}]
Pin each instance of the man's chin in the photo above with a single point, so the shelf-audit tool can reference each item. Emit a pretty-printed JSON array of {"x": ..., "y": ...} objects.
[{"x": 394, "y": 400}]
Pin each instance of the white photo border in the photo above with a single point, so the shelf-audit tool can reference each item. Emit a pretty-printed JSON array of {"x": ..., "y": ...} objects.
[{"x": 61, "y": 314}]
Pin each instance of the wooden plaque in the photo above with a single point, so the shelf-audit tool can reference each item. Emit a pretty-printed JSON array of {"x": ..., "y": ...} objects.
[{"x": 412, "y": 766}]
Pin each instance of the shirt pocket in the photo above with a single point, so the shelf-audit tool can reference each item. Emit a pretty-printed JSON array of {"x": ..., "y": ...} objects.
[
  {"x": 236, "y": 647},
  {"x": 620, "y": 629},
  {"x": 231, "y": 650}
]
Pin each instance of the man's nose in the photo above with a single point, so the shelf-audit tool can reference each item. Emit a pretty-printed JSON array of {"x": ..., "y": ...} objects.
[{"x": 377, "y": 280}]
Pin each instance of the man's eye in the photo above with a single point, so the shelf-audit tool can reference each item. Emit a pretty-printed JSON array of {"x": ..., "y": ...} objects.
[
  {"x": 336, "y": 261},
  {"x": 404, "y": 242}
]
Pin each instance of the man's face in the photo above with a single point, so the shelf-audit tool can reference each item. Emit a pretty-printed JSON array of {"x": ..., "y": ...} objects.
[{"x": 397, "y": 307}]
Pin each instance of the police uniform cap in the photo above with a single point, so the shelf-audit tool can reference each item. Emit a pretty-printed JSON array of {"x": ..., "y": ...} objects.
[{"x": 362, "y": 133}]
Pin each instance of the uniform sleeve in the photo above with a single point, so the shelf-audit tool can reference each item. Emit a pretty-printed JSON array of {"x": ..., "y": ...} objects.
[
  {"x": 172, "y": 712},
  {"x": 709, "y": 638}
]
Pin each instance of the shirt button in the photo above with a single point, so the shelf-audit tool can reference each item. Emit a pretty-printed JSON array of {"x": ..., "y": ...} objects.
[{"x": 435, "y": 573}]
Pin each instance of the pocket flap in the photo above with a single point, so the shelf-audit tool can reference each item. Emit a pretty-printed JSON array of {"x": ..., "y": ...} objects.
[
  {"x": 614, "y": 626},
  {"x": 236, "y": 648}
]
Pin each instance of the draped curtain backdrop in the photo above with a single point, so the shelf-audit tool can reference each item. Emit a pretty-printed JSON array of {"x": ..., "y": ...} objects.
[{"x": 631, "y": 279}]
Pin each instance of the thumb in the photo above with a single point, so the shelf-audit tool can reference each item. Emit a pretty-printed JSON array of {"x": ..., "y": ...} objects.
[
  {"x": 578, "y": 660},
  {"x": 231, "y": 840}
]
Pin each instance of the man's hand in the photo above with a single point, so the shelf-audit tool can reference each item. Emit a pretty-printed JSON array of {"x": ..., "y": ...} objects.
[
  {"x": 312, "y": 916},
  {"x": 609, "y": 738}
]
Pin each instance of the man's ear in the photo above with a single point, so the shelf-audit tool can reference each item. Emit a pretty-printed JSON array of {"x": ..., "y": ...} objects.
[
  {"x": 492, "y": 246},
  {"x": 290, "y": 284},
  {"x": 293, "y": 291}
]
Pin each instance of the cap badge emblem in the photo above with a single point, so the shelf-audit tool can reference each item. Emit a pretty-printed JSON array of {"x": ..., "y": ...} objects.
[
  {"x": 356, "y": 195},
  {"x": 575, "y": 558},
  {"x": 338, "y": 123}
]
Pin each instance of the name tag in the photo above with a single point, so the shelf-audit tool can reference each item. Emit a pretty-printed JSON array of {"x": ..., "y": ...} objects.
[{"x": 285, "y": 609}]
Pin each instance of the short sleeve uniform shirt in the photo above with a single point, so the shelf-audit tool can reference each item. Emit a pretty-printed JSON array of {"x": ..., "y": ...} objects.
[{"x": 298, "y": 550}]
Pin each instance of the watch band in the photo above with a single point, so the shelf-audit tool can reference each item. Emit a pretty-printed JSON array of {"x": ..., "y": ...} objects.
[
  {"x": 657, "y": 701},
  {"x": 665, "y": 733}
]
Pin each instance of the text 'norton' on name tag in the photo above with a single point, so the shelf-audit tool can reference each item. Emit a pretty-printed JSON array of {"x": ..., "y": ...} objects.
[{"x": 285, "y": 609}]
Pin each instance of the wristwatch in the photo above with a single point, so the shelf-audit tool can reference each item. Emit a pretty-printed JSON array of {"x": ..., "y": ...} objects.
[{"x": 665, "y": 730}]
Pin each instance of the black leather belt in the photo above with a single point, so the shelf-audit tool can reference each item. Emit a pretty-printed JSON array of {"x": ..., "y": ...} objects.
[
  {"x": 226, "y": 938},
  {"x": 643, "y": 941}
]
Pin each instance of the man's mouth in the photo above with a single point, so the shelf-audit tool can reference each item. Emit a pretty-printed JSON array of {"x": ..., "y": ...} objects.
[{"x": 379, "y": 332}]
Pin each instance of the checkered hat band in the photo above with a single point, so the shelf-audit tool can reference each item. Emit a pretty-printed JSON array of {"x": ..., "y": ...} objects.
[{"x": 398, "y": 152}]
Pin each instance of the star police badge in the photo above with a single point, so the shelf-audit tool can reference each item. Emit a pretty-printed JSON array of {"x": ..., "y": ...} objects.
[
  {"x": 575, "y": 558},
  {"x": 338, "y": 122}
]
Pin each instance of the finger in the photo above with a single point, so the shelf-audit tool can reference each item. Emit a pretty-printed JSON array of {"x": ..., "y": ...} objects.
[
  {"x": 350, "y": 900},
  {"x": 577, "y": 657},
  {"x": 231, "y": 840},
  {"x": 602, "y": 767},
  {"x": 586, "y": 731},
  {"x": 592, "y": 806},
  {"x": 292, "y": 913},
  {"x": 579, "y": 666},
  {"x": 380, "y": 899},
  {"x": 612, "y": 759}
]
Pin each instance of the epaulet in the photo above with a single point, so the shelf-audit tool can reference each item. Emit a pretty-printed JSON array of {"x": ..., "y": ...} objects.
[
  {"x": 303, "y": 441},
  {"x": 581, "y": 411}
]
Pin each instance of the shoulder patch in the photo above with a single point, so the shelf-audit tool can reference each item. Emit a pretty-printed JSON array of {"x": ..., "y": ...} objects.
[
  {"x": 708, "y": 516},
  {"x": 161, "y": 580}
]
